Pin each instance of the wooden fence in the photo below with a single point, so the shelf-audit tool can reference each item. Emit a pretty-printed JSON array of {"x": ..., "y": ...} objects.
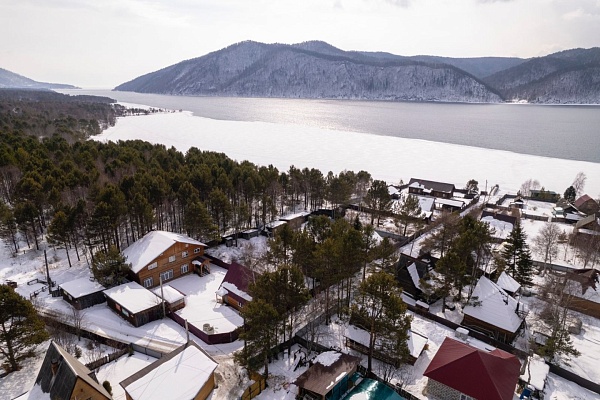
[
  {"x": 217, "y": 338},
  {"x": 259, "y": 384},
  {"x": 107, "y": 358}
]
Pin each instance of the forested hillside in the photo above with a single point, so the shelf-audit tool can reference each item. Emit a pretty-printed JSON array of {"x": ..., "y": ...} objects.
[{"x": 95, "y": 194}]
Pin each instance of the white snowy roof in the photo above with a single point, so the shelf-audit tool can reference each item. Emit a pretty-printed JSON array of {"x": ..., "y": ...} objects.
[
  {"x": 153, "y": 244},
  {"x": 230, "y": 287},
  {"x": 507, "y": 282},
  {"x": 497, "y": 307},
  {"x": 502, "y": 229},
  {"x": 536, "y": 372},
  {"x": 392, "y": 190},
  {"x": 414, "y": 275},
  {"x": 171, "y": 295},
  {"x": 327, "y": 358},
  {"x": 426, "y": 203},
  {"x": 294, "y": 216},
  {"x": 81, "y": 287},
  {"x": 181, "y": 377},
  {"x": 416, "y": 342},
  {"x": 133, "y": 296},
  {"x": 275, "y": 224},
  {"x": 450, "y": 202}
]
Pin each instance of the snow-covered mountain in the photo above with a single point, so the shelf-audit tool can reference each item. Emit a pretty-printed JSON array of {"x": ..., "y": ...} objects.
[
  {"x": 15, "y": 81},
  {"x": 318, "y": 70},
  {"x": 312, "y": 70}
]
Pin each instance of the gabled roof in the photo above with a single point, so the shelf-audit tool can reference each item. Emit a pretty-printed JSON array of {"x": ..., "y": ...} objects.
[
  {"x": 590, "y": 219},
  {"x": 494, "y": 306},
  {"x": 81, "y": 287},
  {"x": 69, "y": 369},
  {"x": 237, "y": 279},
  {"x": 133, "y": 297},
  {"x": 180, "y": 374},
  {"x": 152, "y": 245},
  {"x": 431, "y": 185},
  {"x": 328, "y": 369},
  {"x": 474, "y": 372},
  {"x": 580, "y": 201},
  {"x": 169, "y": 293},
  {"x": 507, "y": 282}
]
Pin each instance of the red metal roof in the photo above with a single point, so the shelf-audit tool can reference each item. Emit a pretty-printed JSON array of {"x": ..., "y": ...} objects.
[
  {"x": 240, "y": 276},
  {"x": 579, "y": 202},
  {"x": 476, "y": 373}
]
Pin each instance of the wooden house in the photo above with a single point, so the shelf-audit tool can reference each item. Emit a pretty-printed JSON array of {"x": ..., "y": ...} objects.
[
  {"x": 544, "y": 195},
  {"x": 295, "y": 221},
  {"x": 587, "y": 205},
  {"x": 165, "y": 255},
  {"x": 62, "y": 376},
  {"x": 188, "y": 372},
  {"x": 273, "y": 227},
  {"x": 492, "y": 311},
  {"x": 82, "y": 293},
  {"x": 582, "y": 284},
  {"x": 460, "y": 371},
  {"x": 234, "y": 289},
  {"x": 431, "y": 188},
  {"x": 330, "y": 376},
  {"x": 589, "y": 225},
  {"x": 134, "y": 303},
  {"x": 410, "y": 271},
  {"x": 175, "y": 300}
]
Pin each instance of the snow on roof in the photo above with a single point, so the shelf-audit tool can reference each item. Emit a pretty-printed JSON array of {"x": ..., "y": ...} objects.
[
  {"x": 133, "y": 296},
  {"x": 426, "y": 203},
  {"x": 414, "y": 275},
  {"x": 230, "y": 287},
  {"x": 416, "y": 342},
  {"x": 180, "y": 377},
  {"x": 171, "y": 295},
  {"x": 152, "y": 245},
  {"x": 502, "y": 229},
  {"x": 294, "y": 216},
  {"x": 536, "y": 372},
  {"x": 327, "y": 358},
  {"x": 497, "y": 307},
  {"x": 35, "y": 393},
  {"x": 81, "y": 287},
  {"x": 392, "y": 190},
  {"x": 275, "y": 224},
  {"x": 450, "y": 202},
  {"x": 507, "y": 282}
]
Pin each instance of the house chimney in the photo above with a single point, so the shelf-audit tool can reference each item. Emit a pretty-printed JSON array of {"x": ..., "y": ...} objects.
[{"x": 54, "y": 366}]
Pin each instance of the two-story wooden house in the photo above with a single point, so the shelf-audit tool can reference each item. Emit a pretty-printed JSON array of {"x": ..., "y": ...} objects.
[
  {"x": 424, "y": 187},
  {"x": 165, "y": 255}
]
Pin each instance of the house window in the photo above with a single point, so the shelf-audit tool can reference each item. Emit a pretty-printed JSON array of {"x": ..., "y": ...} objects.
[
  {"x": 197, "y": 250},
  {"x": 118, "y": 307},
  {"x": 148, "y": 282},
  {"x": 171, "y": 258},
  {"x": 125, "y": 313},
  {"x": 184, "y": 269},
  {"x": 153, "y": 265},
  {"x": 240, "y": 304},
  {"x": 184, "y": 254},
  {"x": 167, "y": 275}
]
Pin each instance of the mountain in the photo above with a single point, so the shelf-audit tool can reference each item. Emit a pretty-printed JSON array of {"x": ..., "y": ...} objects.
[
  {"x": 566, "y": 77},
  {"x": 15, "y": 81},
  {"x": 312, "y": 70}
]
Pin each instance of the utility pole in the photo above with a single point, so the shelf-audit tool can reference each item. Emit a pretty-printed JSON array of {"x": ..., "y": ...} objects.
[
  {"x": 47, "y": 272},
  {"x": 162, "y": 296}
]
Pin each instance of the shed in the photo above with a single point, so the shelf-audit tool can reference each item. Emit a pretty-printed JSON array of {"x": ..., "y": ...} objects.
[
  {"x": 134, "y": 303},
  {"x": 82, "y": 293},
  {"x": 587, "y": 205},
  {"x": 508, "y": 283},
  {"x": 458, "y": 369},
  {"x": 174, "y": 298},
  {"x": 296, "y": 220},
  {"x": 185, "y": 373},
  {"x": 535, "y": 373},
  {"x": 409, "y": 273},
  {"x": 234, "y": 289},
  {"x": 273, "y": 227},
  {"x": 329, "y": 377},
  {"x": 250, "y": 233}
]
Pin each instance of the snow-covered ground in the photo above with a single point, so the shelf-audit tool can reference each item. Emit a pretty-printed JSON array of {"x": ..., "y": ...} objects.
[{"x": 387, "y": 158}]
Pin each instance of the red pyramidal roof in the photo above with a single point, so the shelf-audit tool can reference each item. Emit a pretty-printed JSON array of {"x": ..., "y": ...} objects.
[{"x": 476, "y": 373}]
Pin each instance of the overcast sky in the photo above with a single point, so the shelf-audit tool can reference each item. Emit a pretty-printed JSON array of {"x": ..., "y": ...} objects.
[{"x": 102, "y": 43}]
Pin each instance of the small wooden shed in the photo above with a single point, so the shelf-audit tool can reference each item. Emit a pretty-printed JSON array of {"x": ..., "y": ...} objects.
[
  {"x": 134, "y": 303},
  {"x": 82, "y": 293}
]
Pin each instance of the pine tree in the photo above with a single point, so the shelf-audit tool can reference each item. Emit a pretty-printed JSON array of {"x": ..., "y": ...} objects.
[
  {"x": 517, "y": 256},
  {"x": 20, "y": 327},
  {"x": 110, "y": 267}
]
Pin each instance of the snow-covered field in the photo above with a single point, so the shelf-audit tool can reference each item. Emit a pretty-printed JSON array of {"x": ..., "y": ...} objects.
[{"x": 387, "y": 158}]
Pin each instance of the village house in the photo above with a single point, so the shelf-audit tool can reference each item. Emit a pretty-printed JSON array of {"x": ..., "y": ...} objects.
[
  {"x": 459, "y": 371},
  {"x": 586, "y": 205},
  {"x": 589, "y": 225},
  {"x": 165, "y": 255},
  {"x": 134, "y": 303},
  {"x": 411, "y": 271},
  {"x": 544, "y": 195},
  {"x": 329, "y": 377},
  {"x": 582, "y": 285},
  {"x": 234, "y": 289},
  {"x": 431, "y": 188},
  {"x": 494, "y": 312},
  {"x": 188, "y": 372},
  {"x": 82, "y": 293},
  {"x": 62, "y": 376}
]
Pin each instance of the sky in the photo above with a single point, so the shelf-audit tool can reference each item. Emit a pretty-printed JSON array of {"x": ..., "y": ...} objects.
[{"x": 103, "y": 43}]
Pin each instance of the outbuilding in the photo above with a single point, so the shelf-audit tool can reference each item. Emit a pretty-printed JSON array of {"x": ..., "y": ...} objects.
[
  {"x": 82, "y": 293},
  {"x": 134, "y": 303}
]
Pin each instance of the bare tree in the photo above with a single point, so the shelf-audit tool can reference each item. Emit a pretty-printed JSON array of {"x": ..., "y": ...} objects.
[
  {"x": 528, "y": 186},
  {"x": 579, "y": 183},
  {"x": 546, "y": 243},
  {"x": 77, "y": 321}
]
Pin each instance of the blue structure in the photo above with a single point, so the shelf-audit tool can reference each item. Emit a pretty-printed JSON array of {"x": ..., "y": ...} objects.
[{"x": 369, "y": 389}]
